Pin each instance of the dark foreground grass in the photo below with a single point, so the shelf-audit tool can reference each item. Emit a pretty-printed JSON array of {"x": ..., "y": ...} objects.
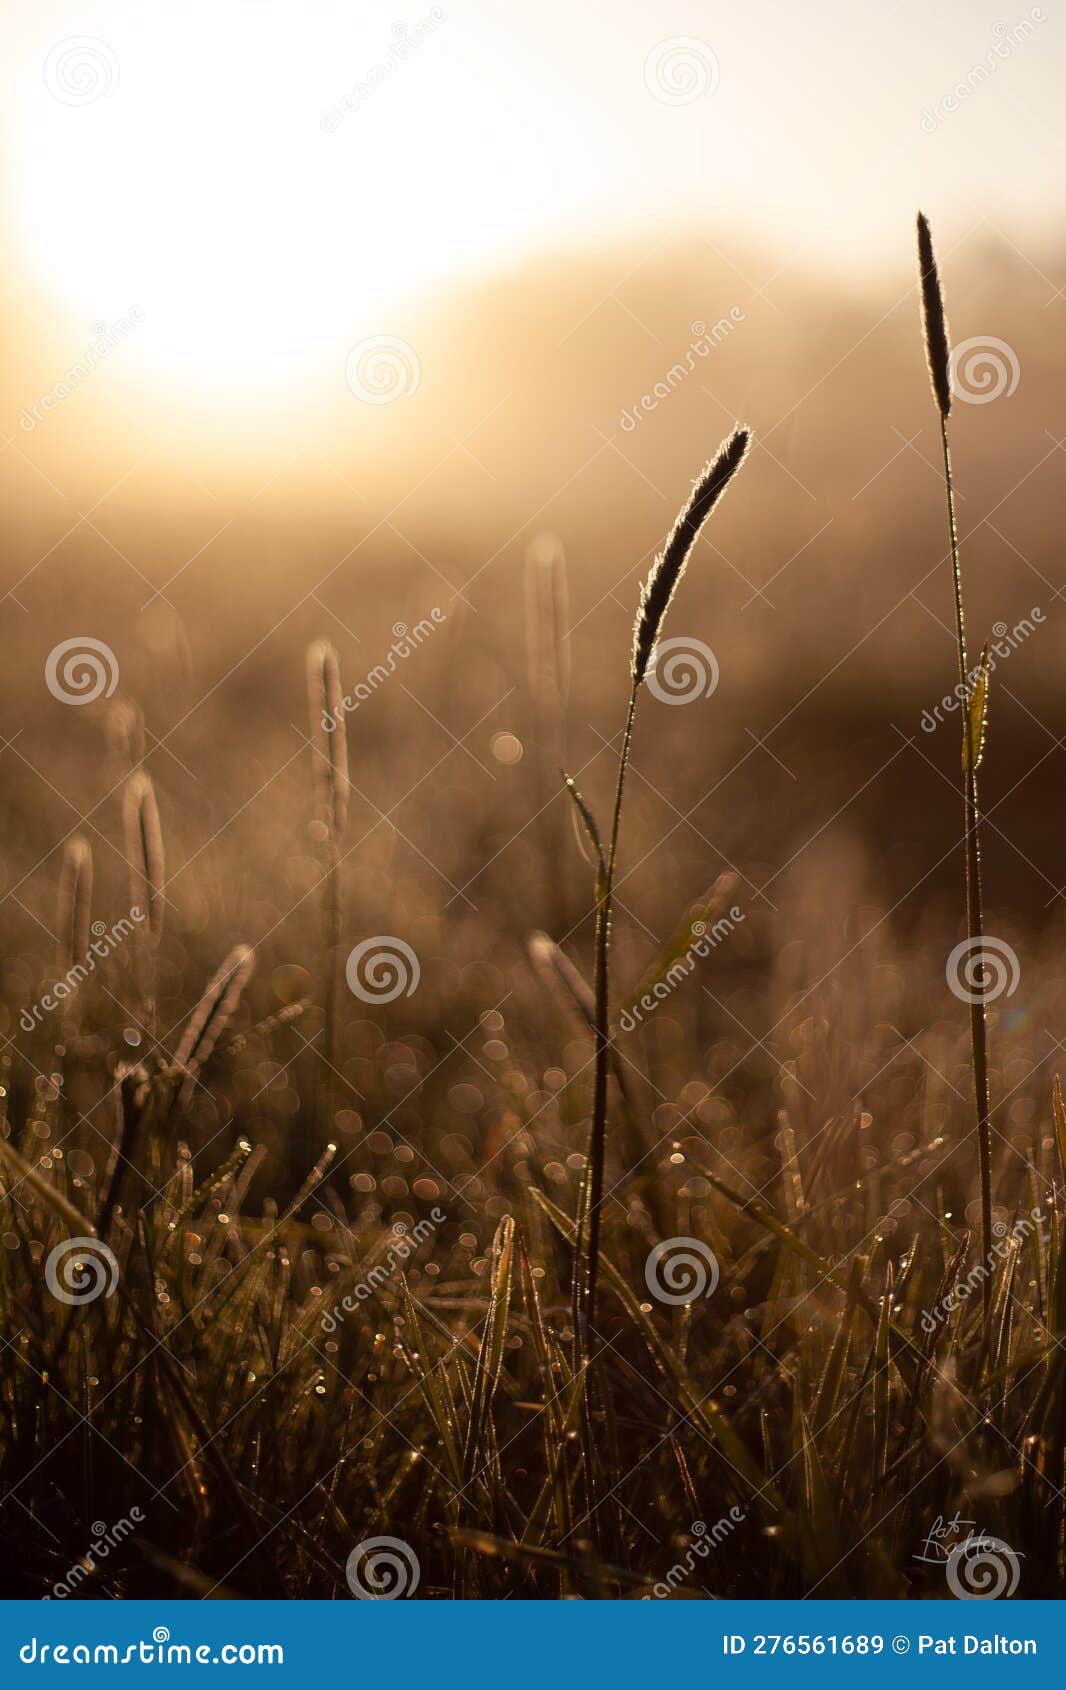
[{"x": 799, "y": 1430}]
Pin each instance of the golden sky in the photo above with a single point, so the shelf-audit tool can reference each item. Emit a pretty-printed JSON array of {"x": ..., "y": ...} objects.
[{"x": 260, "y": 182}]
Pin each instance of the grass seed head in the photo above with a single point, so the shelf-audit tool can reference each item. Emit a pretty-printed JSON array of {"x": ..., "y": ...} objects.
[
  {"x": 74, "y": 904},
  {"x": 144, "y": 850},
  {"x": 668, "y": 568},
  {"x": 215, "y": 1010},
  {"x": 328, "y": 737},
  {"x": 547, "y": 622},
  {"x": 934, "y": 319}
]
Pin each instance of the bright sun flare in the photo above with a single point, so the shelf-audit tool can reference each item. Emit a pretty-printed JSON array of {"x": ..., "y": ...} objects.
[{"x": 261, "y": 222}]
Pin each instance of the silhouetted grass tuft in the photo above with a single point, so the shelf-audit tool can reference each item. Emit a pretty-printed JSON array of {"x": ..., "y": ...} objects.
[
  {"x": 666, "y": 572},
  {"x": 934, "y": 319}
]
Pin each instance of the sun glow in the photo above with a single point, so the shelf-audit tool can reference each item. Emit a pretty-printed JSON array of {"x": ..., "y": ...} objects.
[
  {"x": 261, "y": 205},
  {"x": 271, "y": 185}
]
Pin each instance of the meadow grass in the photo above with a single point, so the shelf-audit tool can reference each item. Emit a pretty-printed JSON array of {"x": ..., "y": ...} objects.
[{"x": 297, "y": 1356}]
